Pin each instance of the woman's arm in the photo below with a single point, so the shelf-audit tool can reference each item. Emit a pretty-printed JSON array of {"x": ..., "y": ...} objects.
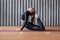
[{"x": 25, "y": 22}]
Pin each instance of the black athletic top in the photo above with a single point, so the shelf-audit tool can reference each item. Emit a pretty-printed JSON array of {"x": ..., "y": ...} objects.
[{"x": 25, "y": 17}]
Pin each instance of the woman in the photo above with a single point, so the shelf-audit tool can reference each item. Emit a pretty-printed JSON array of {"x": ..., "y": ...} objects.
[{"x": 30, "y": 25}]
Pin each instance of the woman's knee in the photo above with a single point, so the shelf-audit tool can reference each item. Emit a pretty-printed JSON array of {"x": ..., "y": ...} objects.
[{"x": 43, "y": 28}]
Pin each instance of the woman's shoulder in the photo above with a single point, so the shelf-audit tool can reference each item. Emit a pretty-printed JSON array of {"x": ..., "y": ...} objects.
[{"x": 36, "y": 15}]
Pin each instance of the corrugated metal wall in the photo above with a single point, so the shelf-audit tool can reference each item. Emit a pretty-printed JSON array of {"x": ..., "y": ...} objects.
[
  {"x": 0, "y": 12},
  {"x": 11, "y": 11}
]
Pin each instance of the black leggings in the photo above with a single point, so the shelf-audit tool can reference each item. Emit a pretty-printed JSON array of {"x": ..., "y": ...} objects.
[{"x": 31, "y": 26}]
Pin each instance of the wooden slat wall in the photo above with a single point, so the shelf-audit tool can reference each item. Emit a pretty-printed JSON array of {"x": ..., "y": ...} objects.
[{"x": 11, "y": 11}]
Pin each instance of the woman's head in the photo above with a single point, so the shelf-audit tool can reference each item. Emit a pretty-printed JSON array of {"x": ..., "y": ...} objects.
[{"x": 31, "y": 10}]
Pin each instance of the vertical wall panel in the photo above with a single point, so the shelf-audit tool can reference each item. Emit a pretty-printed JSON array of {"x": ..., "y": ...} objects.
[
  {"x": 44, "y": 11},
  {"x": 0, "y": 12},
  {"x": 47, "y": 12},
  {"x": 57, "y": 13},
  {"x": 11, "y": 11},
  {"x": 2, "y": 9},
  {"x": 41, "y": 9},
  {"x": 22, "y": 7},
  {"x": 28, "y": 4},
  {"x": 36, "y": 8},
  {"x": 8, "y": 12},
  {"x": 18, "y": 12},
  {"x": 15, "y": 5},
  {"x": 33, "y": 3},
  {"x": 25, "y": 5},
  {"x": 5, "y": 22},
  {"x": 52, "y": 12}
]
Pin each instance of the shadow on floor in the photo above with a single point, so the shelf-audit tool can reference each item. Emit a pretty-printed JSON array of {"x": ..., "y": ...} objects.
[{"x": 14, "y": 30}]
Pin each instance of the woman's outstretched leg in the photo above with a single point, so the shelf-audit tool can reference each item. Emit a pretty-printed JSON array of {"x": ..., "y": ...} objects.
[{"x": 40, "y": 24}]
